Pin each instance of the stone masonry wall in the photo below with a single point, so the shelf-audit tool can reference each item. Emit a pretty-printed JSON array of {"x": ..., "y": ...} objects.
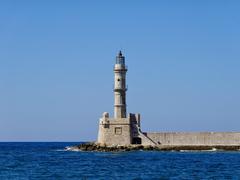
[
  {"x": 195, "y": 138},
  {"x": 114, "y": 131}
]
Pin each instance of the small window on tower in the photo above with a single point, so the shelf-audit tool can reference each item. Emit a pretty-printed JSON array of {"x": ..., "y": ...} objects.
[
  {"x": 118, "y": 79},
  {"x": 106, "y": 126},
  {"x": 118, "y": 130}
]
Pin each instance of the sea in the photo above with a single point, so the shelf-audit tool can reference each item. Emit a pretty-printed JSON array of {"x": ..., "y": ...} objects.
[{"x": 51, "y": 160}]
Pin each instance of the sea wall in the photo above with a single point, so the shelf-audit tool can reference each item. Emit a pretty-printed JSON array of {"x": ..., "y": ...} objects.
[{"x": 195, "y": 138}]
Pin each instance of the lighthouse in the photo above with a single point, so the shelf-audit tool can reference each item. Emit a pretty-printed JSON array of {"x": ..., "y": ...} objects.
[
  {"x": 120, "y": 89},
  {"x": 123, "y": 128}
]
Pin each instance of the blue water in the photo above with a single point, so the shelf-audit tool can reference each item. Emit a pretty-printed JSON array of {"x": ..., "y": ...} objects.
[{"x": 50, "y": 161}]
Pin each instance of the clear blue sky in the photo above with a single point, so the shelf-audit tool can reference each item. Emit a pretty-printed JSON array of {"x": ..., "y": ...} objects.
[{"x": 56, "y": 66}]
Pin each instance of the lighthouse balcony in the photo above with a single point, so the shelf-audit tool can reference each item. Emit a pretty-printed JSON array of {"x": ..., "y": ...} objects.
[
  {"x": 120, "y": 67},
  {"x": 116, "y": 89},
  {"x": 119, "y": 105}
]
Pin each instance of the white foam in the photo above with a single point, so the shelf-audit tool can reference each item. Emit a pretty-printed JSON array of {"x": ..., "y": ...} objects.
[
  {"x": 60, "y": 150},
  {"x": 69, "y": 148},
  {"x": 210, "y": 150}
]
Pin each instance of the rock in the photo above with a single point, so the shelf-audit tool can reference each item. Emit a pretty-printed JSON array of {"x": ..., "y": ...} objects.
[{"x": 91, "y": 146}]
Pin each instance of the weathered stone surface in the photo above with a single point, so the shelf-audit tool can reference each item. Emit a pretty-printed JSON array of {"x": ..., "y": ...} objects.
[
  {"x": 195, "y": 138},
  {"x": 114, "y": 131}
]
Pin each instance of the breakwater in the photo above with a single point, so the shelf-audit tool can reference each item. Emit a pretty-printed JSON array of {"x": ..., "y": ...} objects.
[
  {"x": 103, "y": 148},
  {"x": 195, "y": 138}
]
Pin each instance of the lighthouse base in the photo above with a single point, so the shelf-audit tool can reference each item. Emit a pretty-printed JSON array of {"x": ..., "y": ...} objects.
[{"x": 121, "y": 131}]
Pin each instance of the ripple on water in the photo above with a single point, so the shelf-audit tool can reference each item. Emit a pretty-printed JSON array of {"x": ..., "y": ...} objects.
[{"x": 52, "y": 161}]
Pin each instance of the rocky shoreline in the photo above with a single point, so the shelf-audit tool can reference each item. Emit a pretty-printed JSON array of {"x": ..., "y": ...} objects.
[{"x": 103, "y": 148}]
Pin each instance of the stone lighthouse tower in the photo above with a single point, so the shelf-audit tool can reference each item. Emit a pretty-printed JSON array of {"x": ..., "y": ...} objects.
[
  {"x": 120, "y": 87},
  {"x": 122, "y": 129}
]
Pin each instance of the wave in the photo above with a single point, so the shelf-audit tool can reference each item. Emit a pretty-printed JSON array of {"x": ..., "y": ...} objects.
[
  {"x": 71, "y": 148},
  {"x": 67, "y": 148},
  {"x": 59, "y": 150},
  {"x": 209, "y": 150}
]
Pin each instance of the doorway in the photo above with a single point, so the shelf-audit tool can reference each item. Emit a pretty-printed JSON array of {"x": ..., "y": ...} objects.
[{"x": 137, "y": 140}]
